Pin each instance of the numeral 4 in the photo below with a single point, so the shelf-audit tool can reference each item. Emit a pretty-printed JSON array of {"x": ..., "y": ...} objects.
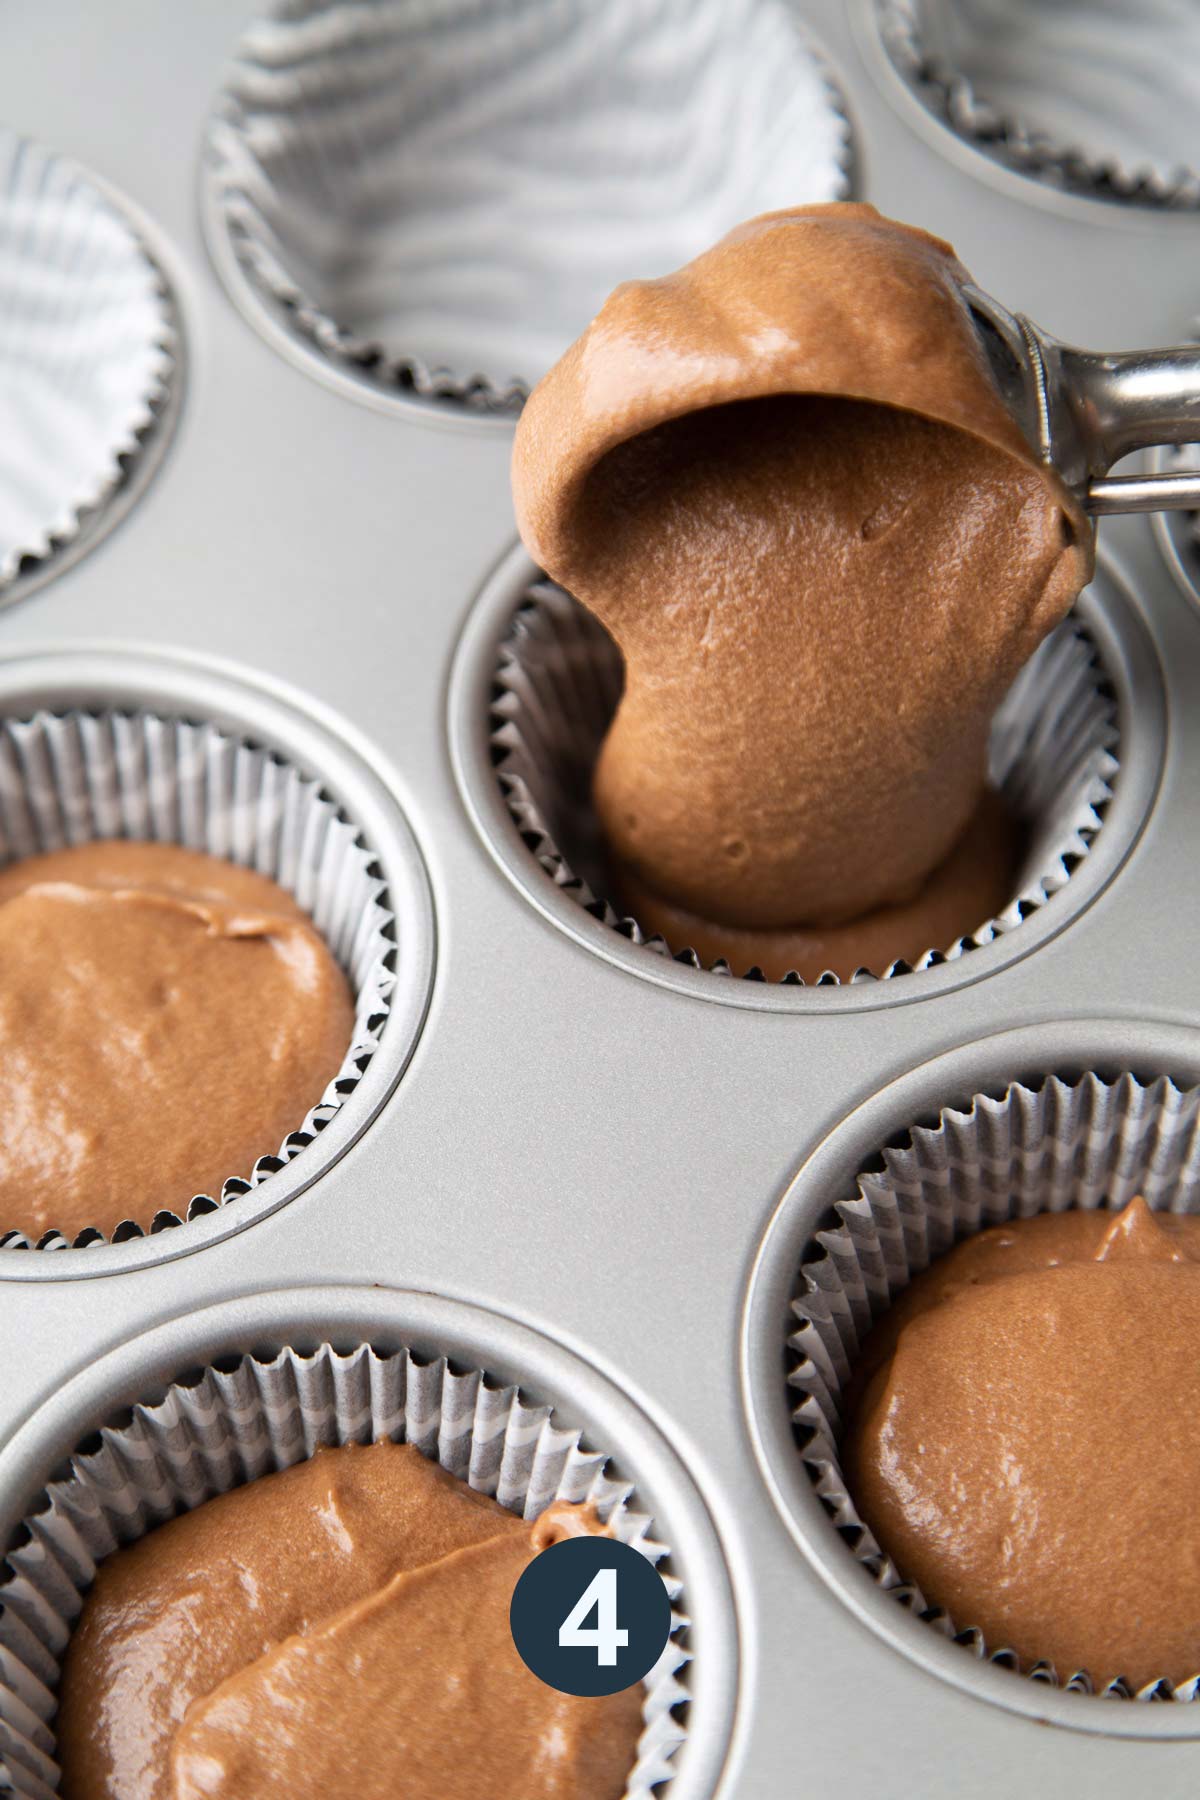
[{"x": 605, "y": 1637}]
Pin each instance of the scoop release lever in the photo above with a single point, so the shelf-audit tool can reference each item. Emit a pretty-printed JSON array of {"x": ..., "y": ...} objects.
[{"x": 1082, "y": 410}]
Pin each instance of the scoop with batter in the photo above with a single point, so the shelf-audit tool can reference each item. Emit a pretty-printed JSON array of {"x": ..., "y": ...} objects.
[{"x": 785, "y": 481}]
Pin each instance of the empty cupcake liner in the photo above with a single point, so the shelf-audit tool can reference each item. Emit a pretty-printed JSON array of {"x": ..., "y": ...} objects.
[
  {"x": 87, "y": 347},
  {"x": 1083, "y": 1142},
  {"x": 1053, "y": 755},
  {"x": 72, "y": 777},
  {"x": 225, "y": 1426},
  {"x": 1089, "y": 95},
  {"x": 439, "y": 198}
]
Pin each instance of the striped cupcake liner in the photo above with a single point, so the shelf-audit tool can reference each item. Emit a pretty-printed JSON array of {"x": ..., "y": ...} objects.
[
  {"x": 73, "y": 777},
  {"x": 1053, "y": 755},
  {"x": 88, "y": 354},
  {"x": 437, "y": 200},
  {"x": 1083, "y": 1142},
  {"x": 1099, "y": 100},
  {"x": 230, "y": 1424}
]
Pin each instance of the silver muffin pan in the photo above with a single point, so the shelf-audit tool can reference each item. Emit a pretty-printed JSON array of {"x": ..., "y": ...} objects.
[
  {"x": 1088, "y": 824},
  {"x": 478, "y": 1393},
  {"x": 1088, "y": 95},
  {"x": 1159, "y": 1148},
  {"x": 577, "y": 1178},
  {"x": 358, "y": 819}
]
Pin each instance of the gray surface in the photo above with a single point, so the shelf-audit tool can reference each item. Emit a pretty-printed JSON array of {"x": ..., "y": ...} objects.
[{"x": 585, "y": 1151}]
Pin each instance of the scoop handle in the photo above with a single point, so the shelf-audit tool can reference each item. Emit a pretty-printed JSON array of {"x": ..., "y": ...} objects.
[
  {"x": 1131, "y": 400},
  {"x": 1143, "y": 493}
]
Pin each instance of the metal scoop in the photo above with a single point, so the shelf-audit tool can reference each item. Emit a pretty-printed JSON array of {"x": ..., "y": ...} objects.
[{"x": 1082, "y": 410}]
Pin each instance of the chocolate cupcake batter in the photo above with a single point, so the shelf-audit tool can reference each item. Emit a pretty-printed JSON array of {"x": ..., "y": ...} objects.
[
  {"x": 166, "y": 1018},
  {"x": 974, "y": 883},
  {"x": 785, "y": 481},
  {"x": 338, "y": 1629},
  {"x": 1026, "y": 1440},
  {"x": 440, "y": 1704}
]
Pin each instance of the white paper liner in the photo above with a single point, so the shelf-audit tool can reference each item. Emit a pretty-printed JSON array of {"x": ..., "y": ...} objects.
[
  {"x": 69, "y": 778},
  {"x": 1095, "y": 96},
  {"x": 1078, "y": 1143},
  {"x": 1053, "y": 755},
  {"x": 227, "y": 1426},
  {"x": 442, "y": 196},
  {"x": 86, "y": 350}
]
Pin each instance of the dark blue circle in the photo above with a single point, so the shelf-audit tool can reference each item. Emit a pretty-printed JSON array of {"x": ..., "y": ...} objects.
[{"x": 632, "y": 1598}]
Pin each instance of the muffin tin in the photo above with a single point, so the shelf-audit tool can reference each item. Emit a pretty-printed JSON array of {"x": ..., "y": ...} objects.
[
  {"x": 1084, "y": 95},
  {"x": 964, "y": 1144},
  {"x": 562, "y": 1166},
  {"x": 104, "y": 744},
  {"x": 536, "y": 682},
  {"x": 403, "y": 1367}
]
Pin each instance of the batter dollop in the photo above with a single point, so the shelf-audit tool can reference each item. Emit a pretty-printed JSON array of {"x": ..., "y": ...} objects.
[
  {"x": 166, "y": 1018},
  {"x": 1026, "y": 1440}
]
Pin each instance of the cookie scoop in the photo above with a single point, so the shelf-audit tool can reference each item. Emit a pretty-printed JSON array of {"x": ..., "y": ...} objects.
[{"x": 788, "y": 482}]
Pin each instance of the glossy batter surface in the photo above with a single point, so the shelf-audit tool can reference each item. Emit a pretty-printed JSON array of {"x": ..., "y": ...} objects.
[
  {"x": 340, "y": 1628},
  {"x": 1026, "y": 1445},
  {"x": 784, "y": 480},
  {"x": 166, "y": 1018},
  {"x": 419, "y": 1689}
]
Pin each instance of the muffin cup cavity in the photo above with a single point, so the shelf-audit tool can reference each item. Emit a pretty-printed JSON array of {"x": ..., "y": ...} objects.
[
  {"x": 228, "y": 1424},
  {"x": 378, "y": 187},
  {"x": 1037, "y": 93},
  {"x": 71, "y": 777},
  {"x": 88, "y": 357},
  {"x": 1053, "y": 756},
  {"x": 1079, "y": 1142}
]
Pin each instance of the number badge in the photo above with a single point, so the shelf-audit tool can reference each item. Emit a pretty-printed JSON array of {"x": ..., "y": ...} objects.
[{"x": 590, "y": 1616}]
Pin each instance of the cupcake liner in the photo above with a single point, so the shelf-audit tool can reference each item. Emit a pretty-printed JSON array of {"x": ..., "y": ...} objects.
[
  {"x": 69, "y": 778},
  {"x": 1053, "y": 755},
  {"x": 1083, "y": 1143},
  {"x": 440, "y": 198},
  {"x": 87, "y": 345},
  {"x": 225, "y": 1426},
  {"x": 1093, "y": 95}
]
